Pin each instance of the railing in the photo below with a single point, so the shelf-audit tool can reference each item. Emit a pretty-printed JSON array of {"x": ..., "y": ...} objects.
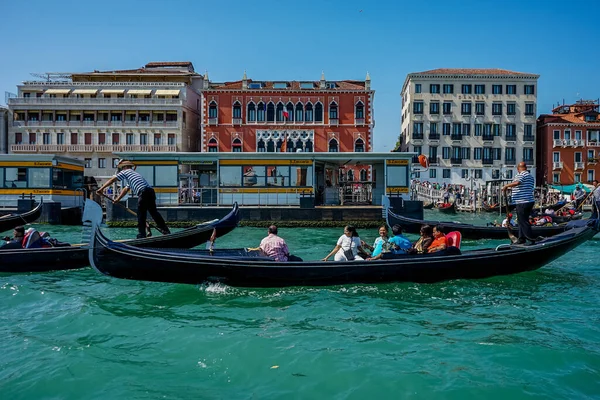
[
  {"x": 103, "y": 85},
  {"x": 457, "y": 161},
  {"x": 359, "y": 121},
  {"x": 213, "y": 121},
  {"x": 425, "y": 193},
  {"x": 528, "y": 138},
  {"x": 593, "y": 143},
  {"x": 417, "y": 136},
  {"x": 236, "y": 121},
  {"x": 578, "y": 143},
  {"x": 511, "y": 138},
  {"x": 528, "y": 161},
  {"x": 333, "y": 121},
  {"x": 510, "y": 161},
  {"x": 158, "y": 124},
  {"x": 87, "y": 148},
  {"x": 456, "y": 137},
  {"x": 557, "y": 142},
  {"x": 592, "y": 160},
  {"x": 434, "y": 136},
  {"x": 488, "y": 138},
  {"x": 567, "y": 143},
  {"x": 557, "y": 165},
  {"x": 579, "y": 165},
  {"x": 487, "y": 161},
  {"x": 94, "y": 101}
]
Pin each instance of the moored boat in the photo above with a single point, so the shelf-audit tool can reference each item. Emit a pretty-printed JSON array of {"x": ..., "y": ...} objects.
[
  {"x": 11, "y": 221},
  {"x": 468, "y": 231},
  {"x": 76, "y": 256},
  {"x": 176, "y": 266},
  {"x": 447, "y": 208}
]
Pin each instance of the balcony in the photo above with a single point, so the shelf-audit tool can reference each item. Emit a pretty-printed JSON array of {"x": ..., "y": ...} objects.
[
  {"x": 213, "y": 121},
  {"x": 434, "y": 160},
  {"x": 529, "y": 138},
  {"x": 56, "y": 101},
  {"x": 528, "y": 161},
  {"x": 434, "y": 136},
  {"x": 456, "y": 161},
  {"x": 236, "y": 121},
  {"x": 557, "y": 165},
  {"x": 567, "y": 143},
  {"x": 511, "y": 138},
  {"x": 488, "y": 138},
  {"x": 557, "y": 143},
  {"x": 593, "y": 143},
  {"x": 334, "y": 121},
  {"x": 89, "y": 148},
  {"x": 78, "y": 123},
  {"x": 579, "y": 165},
  {"x": 487, "y": 161},
  {"x": 456, "y": 138},
  {"x": 417, "y": 136},
  {"x": 359, "y": 121},
  {"x": 578, "y": 143},
  {"x": 592, "y": 160},
  {"x": 510, "y": 162}
]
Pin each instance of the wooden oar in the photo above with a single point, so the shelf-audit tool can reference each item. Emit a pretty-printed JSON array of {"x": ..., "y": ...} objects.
[
  {"x": 584, "y": 200},
  {"x": 512, "y": 237},
  {"x": 130, "y": 211}
]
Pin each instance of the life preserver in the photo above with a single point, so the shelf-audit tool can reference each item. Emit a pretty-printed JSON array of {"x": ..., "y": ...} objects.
[{"x": 423, "y": 161}]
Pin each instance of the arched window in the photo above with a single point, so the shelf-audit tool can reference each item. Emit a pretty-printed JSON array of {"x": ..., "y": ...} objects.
[
  {"x": 308, "y": 146},
  {"x": 350, "y": 174},
  {"x": 299, "y": 112},
  {"x": 333, "y": 146},
  {"x": 318, "y": 112},
  {"x": 260, "y": 112},
  {"x": 260, "y": 146},
  {"x": 363, "y": 175},
  {"x": 279, "y": 144},
  {"x": 279, "y": 113},
  {"x": 290, "y": 110},
  {"x": 252, "y": 112},
  {"x": 333, "y": 110},
  {"x": 298, "y": 146},
  {"x": 270, "y": 146},
  {"x": 359, "y": 146},
  {"x": 237, "y": 110},
  {"x": 308, "y": 113},
  {"x": 359, "y": 110},
  {"x": 213, "y": 145},
  {"x": 271, "y": 112},
  {"x": 236, "y": 145},
  {"x": 212, "y": 109}
]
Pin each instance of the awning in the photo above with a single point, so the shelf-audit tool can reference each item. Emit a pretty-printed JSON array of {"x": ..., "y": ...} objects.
[
  {"x": 167, "y": 92},
  {"x": 113, "y": 91},
  {"x": 57, "y": 91},
  {"x": 85, "y": 91},
  {"x": 571, "y": 188},
  {"x": 140, "y": 91}
]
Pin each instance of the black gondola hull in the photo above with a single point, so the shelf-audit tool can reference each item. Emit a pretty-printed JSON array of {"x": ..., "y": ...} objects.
[
  {"x": 73, "y": 257},
  {"x": 411, "y": 225},
  {"x": 12, "y": 221},
  {"x": 125, "y": 262}
]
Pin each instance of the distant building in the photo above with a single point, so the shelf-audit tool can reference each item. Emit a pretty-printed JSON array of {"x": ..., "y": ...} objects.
[
  {"x": 3, "y": 130},
  {"x": 569, "y": 144},
  {"x": 291, "y": 116},
  {"x": 474, "y": 125},
  {"x": 91, "y": 115}
]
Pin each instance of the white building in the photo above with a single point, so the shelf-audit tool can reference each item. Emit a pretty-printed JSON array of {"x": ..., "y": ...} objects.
[
  {"x": 90, "y": 116},
  {"x": 474, "y": 125}
]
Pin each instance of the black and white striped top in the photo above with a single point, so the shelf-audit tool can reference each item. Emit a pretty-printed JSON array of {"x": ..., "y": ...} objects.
[
  {"x": 523, "y": 193},
  {"x": 134, "y": 181}
]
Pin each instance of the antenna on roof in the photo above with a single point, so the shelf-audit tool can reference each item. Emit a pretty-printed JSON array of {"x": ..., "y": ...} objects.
[{"x": 52, "y": 76}]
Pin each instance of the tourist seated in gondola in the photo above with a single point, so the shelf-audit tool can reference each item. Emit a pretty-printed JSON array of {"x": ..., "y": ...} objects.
[
  {"x": 347, "y": 247},
  {"x": 508, "y": 221},
  {"x": 16, "y": 242},
  {"x": 380, "y": 242},
  {"x": 398, "y": 245},
  {"x": 421, "y": 246},
  {"x": 273, "y": 246},
  {"x": 439, "y": 240}
]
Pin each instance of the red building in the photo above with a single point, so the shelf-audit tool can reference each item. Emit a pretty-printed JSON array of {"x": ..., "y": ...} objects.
[
  {"x": 569, "y": 144},
  {"x": 289, "y": 116}
]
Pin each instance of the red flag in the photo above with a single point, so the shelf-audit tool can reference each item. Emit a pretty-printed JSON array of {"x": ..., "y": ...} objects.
[
  {"x": 283, "y": 148},
  {"x": 286, "y": 114}
]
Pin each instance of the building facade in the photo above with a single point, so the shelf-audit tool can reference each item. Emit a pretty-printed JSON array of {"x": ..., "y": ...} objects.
[
  {"x": 89, "y": 116},
  {"x": 569, "y": 144},
  {"x": 474, "y": 125},
  {"x": 3, "y": 130},
  {"x": 289, "y": 116}
]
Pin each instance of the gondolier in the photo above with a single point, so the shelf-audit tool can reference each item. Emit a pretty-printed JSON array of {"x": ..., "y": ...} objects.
[
  {"x": 522, "y": 195},
  {"x": 142, "y": 189},
  {"x": 596, "y": 205}
]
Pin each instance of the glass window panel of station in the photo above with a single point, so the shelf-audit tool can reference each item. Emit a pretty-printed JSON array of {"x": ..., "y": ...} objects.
[
  {"x": 397, "y": 175},
  {"x": 165, "y": 175},
  {"x": 39, "y": 177}
]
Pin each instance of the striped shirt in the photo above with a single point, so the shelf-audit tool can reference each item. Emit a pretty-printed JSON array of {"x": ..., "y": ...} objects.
[
  {"x": 523, "y": 193},
  {"x": 134, "y": 181},
  {"x": 596, "y": 193}
]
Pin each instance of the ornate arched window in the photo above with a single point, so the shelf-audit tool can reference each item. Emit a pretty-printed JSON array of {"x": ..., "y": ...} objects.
[
  {"x": 236, "y": 145},
  {"x": 308, "y": 112},
  {"x": 251, "y": 115},
  {"x": 290, "y": 110},
  {"x": 318, "y": 112},
  {"x": 333, "y": 146},
  {"x": 271, "y": 112},
  {"x": 359, "y": 145},
  {"x": 299, "y": 112},
  {"x": 237, "y": 110},
  {"x": 359, "y": 110},
  {"x": 260, "y": 146},
  {"x": 213, "y": 145},
  {"x": 270, "y": 146},
  {"x": 212, "y": 109},
  {"x": 308, "y": 146},
  {"x": 279, "y": 113},
  {"x": 350, "y": 175},
  {"x": 333, "y": 110},
  {"x": 261, "y": 110},
  {"x": 363, "y": 175}
]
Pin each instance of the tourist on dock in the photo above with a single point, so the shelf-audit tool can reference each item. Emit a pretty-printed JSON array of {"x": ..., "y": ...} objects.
[
  {"x": 142, "y": 189},
  {"x": 273, "y": 245},
  {"x": 596, "y": 204},
  {"x": 522, "y": 194},
  {"x": 348, "y": 246},
  {"x": 16, "y": 242},
  {"x": 508, "y": 221},
  {"x": 439, "y": 240},
  {"x": 421, "y": 246},
  {"x": 380, "y": 242}
]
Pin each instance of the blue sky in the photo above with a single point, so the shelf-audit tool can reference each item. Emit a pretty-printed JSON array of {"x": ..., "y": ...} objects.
[{"x": 295, "y": 40}]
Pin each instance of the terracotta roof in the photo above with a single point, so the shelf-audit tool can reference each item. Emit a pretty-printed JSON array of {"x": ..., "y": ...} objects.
[
  {"x": 470, "y": 71},
  {"x": 573, "y": 118},
  {"x": 292, "y": 85},
  {"x": 169, "y": 64}
]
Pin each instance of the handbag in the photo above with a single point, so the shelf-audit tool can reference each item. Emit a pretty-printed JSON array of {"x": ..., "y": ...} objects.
[{"x": 349, "y": 255}]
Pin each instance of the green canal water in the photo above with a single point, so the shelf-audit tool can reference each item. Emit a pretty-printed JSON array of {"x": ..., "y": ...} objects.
[{"x": 81, "y": 335}]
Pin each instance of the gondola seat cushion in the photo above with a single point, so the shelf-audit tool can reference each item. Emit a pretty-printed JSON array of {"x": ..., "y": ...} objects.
[{"x": 453, "y": 239}]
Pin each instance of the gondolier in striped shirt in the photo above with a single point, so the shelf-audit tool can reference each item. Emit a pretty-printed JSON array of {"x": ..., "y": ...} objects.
[
  {"x": 142, "y": 189},
  {"x": 522, "y": 195}
]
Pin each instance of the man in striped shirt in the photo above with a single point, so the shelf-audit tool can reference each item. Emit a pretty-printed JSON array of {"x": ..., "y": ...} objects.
[
  {"x": 522, "y": 195},
  {"x": 146, "y": 196}
]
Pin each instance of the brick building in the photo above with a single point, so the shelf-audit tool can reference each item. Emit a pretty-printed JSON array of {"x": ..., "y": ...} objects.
[{"x": 569, "y": 143}]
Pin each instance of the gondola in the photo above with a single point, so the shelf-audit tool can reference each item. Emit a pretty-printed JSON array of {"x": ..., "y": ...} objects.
[
  {"x": 468, "y": 231},
  {"x": 10, "y": 221},
  {"x": 76, "y": 256},
  {"x": 497, "y": 208},
  {"x": 447, "y": 208},
  {"x": 428, "y": 206},
  {"x": 248, "y": 270}
]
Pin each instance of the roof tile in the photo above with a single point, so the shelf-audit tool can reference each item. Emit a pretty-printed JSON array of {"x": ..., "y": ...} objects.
[{"x": 470, "y": 71}]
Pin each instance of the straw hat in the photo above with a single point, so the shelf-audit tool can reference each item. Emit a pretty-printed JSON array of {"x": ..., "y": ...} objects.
[{"x": 125, "y": 163}]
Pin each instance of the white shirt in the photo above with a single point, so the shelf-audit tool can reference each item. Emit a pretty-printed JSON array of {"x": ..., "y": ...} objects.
[
  {"x": 505, "y": 222},
  {"x": 347, "y": 243}
]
